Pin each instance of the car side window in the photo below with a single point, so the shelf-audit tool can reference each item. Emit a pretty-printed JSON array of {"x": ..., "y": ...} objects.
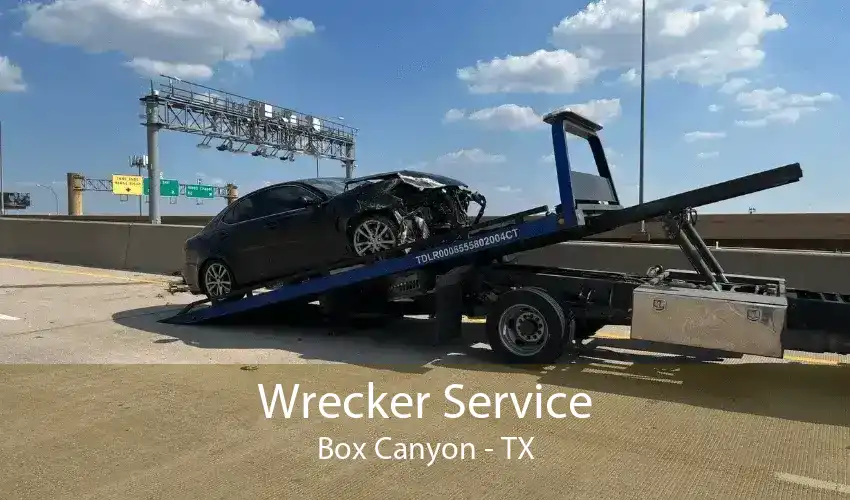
[
  {"x": 243, "y": 210},
  {"x": 281, "y": 199}
]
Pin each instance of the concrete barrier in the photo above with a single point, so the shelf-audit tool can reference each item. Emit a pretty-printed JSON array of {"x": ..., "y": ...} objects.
[
  {"x": 98, "y": 244},
  {"x": 159, "y": 249},
  {"x": 827, "y": 232},
  {"x": 108, "y": 245},
  {"x": 810, "y": 270},
  {"x": 171, "y": 220}
]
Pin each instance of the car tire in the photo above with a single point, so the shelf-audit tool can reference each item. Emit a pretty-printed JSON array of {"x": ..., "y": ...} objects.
[
  {"x": 217, "y": 280},
  {"x": 374, "y": 234}
]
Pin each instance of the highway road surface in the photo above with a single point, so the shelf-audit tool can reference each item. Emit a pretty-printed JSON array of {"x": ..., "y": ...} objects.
[{"x": 99, "y": 400}]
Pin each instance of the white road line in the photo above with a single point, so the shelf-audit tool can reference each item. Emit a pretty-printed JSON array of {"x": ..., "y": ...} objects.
[
  {"x": 632, "y": 375},
  {"x": 813, "y": 483},
  {"x": 8, "y": 318}
]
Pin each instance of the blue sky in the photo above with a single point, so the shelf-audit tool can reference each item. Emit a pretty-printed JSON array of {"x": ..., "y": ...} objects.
[{"x": 734, "y": 87}]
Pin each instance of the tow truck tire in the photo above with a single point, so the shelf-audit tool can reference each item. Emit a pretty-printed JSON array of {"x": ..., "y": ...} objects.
[{"x": 528, "y": 326}]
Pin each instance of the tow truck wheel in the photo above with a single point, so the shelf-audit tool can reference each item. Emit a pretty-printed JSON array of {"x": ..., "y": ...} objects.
[{"x": 527, "y": 325}]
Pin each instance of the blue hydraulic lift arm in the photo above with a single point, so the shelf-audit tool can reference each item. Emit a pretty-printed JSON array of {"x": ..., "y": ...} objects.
[{"x": 566, "y": 223}]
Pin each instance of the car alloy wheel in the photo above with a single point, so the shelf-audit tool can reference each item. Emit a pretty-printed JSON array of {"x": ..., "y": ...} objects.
[
  {"x": 374, "y": 235},
  {"x": 218, "y": 280}
]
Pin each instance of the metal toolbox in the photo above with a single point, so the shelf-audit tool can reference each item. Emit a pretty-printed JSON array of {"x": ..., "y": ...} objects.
[{"x": 729, "y": 321}]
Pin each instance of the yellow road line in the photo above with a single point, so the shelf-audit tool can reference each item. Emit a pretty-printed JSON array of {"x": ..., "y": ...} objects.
[
  {"x": 811, "y": 361},
  {"x": 788, "y": 357},
  {"x": 85, "y": 273},
  {"x": 611, "y": 336}
]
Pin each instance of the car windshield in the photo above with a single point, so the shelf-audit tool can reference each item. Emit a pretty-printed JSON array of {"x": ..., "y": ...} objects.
[{"x": 328, "y": 185}]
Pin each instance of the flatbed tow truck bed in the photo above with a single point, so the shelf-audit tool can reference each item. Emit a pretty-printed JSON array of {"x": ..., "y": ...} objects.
[{"x": 533, "y": 313}]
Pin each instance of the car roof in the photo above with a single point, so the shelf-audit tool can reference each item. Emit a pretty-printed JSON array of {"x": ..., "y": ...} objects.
[{"x": 384, "y": 175}]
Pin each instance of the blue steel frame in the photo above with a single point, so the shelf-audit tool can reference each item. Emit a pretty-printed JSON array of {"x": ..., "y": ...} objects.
[
  {"x": 565, "y": 218},
  {"x": 562, "y": 167}
]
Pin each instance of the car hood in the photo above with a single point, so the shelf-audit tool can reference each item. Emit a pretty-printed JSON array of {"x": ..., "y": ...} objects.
[{"x": 420, "y": 180}]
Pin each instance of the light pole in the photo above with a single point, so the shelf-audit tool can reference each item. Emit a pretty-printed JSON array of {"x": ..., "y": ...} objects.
[
  {"x": 642, "y": 104},
  {"x": 55, "y": 196},
  {"x": 2, "y": 193}
]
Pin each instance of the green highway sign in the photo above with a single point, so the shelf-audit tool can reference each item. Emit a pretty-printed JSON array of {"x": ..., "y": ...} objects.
[
  {"x": 167, "y": 187},
  {"x": 200, "y": 191}
]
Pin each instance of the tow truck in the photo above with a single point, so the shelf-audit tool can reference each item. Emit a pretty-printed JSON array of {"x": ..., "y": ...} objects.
[{"x": 534, "y": 313}]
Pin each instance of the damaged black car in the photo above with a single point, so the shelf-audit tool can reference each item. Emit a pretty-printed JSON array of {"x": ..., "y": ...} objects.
[{"x": 285, "y": 228}]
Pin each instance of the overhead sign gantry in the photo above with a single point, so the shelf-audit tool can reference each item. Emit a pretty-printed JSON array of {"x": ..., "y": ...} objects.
[{"x": 232, "y": 123}]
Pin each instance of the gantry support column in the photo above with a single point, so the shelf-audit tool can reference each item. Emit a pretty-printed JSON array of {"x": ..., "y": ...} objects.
[
  {"x": 232, "y": 193},
  {"x": 75, "y": 194}
]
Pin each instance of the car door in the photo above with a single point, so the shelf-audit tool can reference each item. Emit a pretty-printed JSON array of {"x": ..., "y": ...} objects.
[
  {"x": 312, "y": 231},
  {"x": 242, "y": 238},
  {"x": 293, "y": 239}
]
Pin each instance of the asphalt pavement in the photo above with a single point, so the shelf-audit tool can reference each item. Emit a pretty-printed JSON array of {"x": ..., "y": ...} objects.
[{"x": 100, "y": 400}]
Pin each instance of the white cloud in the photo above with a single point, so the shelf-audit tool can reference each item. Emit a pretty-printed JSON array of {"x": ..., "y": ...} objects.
[
  {"x": 542, "y": 71},
  {"x": 778, "y": 106},
  {"x": 187, "y": 38},
  {"x": 508, "y": 116},
  {"x": 508, "y": 190},
  {"x": 454, "y": 115},
  {"x": 601, "y": 111},
  {"x": 786, "y": 116},
  {"x": 515, "y": 117},
  {"x": 708, "y": 154},
  {"x": 550, "y": 158},
  {"x": 734, "y": 85},
  {"x": 703, "y": 136},
  {"x": 759, "y": 122},
  {"x": 693, "y": 41},
  {"x": 714, "y": 108},
  {"x": 776, "y": 99},
  {"x": 631, "y": 77},
  {"x": 11, "y": 76},
  {"x": 471, "y": 156},
  {"x": 147, "y": 67}
]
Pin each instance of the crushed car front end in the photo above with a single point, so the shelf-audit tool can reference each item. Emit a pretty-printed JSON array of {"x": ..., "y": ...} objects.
[{"x": 426, "y": 203}]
